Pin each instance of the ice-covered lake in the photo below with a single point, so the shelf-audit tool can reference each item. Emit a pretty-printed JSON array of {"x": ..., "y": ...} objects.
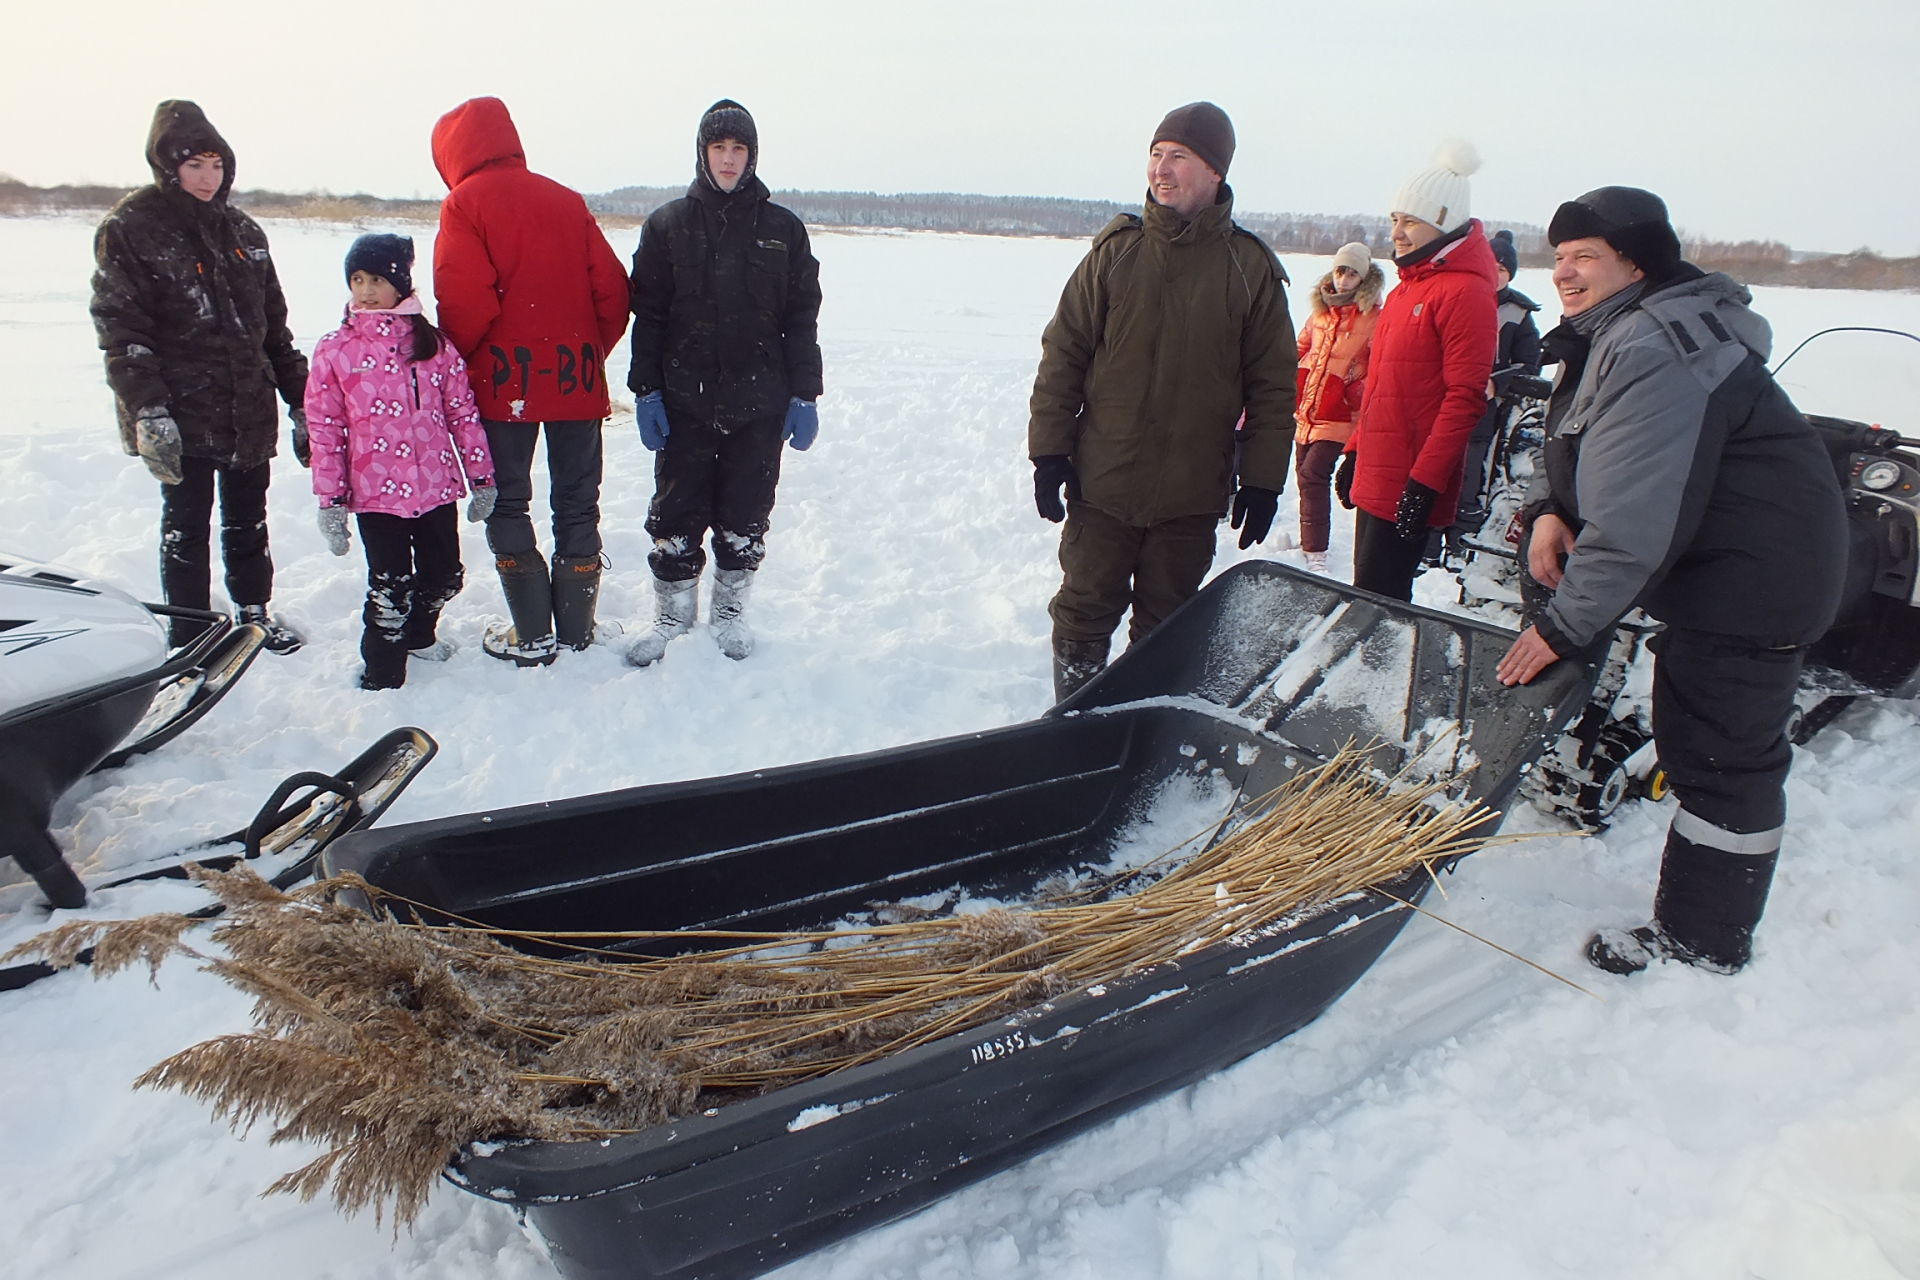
[{"x": 1455, "y": 1115}]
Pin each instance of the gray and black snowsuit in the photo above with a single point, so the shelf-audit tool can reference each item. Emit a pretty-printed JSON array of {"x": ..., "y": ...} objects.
[
  {"x": 1699, "y": 493},
  {"x": 725, "y": 293}
]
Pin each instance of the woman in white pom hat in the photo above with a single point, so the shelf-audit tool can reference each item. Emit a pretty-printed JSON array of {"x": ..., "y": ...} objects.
[{"x": 1427, "y": 381}]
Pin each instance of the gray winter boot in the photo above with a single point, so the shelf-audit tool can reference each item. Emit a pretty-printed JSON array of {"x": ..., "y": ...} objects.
[
  {"x": 528, "y": 641},
  {"x": 576, "y": 592},
  {"x": 730, "y": 630},
  {"x": 1074, "y": 663},
  {"x": 675, "y": 606}
]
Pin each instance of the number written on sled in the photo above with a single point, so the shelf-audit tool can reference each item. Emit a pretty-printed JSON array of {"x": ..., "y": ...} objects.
[{"x": 999, "y": 1047}]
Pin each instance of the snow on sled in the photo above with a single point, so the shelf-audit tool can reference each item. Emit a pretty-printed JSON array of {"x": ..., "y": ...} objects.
[
  {"x": 87, "y": 682},
  {"x": 1267, "y": 672}
]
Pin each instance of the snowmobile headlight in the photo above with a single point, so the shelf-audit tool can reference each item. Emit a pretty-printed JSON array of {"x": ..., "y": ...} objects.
[{"x": 1882, "y": 474}]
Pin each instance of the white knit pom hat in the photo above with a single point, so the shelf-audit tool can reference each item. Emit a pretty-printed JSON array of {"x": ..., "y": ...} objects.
[{"x": 1440, "y": 195}]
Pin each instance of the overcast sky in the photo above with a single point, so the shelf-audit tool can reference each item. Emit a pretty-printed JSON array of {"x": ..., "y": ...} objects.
[{"x": 1780, "y": 119}]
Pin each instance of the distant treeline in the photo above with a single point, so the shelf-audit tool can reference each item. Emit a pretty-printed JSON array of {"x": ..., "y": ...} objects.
[{"x": 1751, "y": 261}]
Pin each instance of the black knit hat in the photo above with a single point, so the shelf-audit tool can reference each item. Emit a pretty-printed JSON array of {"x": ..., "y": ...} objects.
[
  {"x": 1503, "y": 251},
  {"x": 1202, "y": 127},
  {"x": 387, "y": 256},
  {"x": 1633, "y": 221},
  {"x": 728, "y": 119}
]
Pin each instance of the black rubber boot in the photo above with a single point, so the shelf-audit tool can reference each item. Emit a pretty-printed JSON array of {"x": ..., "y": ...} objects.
[
  {"x": 1704, "y": 913},
  {"x": 1074, "y": 663},
  {"x": 529, "y": 640},
  {"x": 576, "y": 593}
]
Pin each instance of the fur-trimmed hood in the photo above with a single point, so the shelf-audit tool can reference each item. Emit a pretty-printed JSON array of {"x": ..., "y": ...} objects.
[{"x": 1366, "y": 295}]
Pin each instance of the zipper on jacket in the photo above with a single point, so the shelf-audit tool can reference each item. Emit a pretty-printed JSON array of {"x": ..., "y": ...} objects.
[{"x": 413, "y": 373}]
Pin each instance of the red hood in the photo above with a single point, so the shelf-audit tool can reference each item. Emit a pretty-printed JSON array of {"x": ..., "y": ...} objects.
[{"x": 473, "y": 135}]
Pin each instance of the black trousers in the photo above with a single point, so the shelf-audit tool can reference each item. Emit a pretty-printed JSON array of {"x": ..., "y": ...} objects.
[
  {"x": 1720, "y": 711},
  {"x": 713, "y": 479},
  {"x": 573, "y": 479},
  {"x": 413, "y": 570},
  {"x": 186, "y": 550},
  {"x": 1109, "y": 566},
  {"x": 1384, "y": 562}
]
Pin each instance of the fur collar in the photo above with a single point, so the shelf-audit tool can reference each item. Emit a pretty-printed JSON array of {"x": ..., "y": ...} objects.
[{"x": 1366, "y": 294}]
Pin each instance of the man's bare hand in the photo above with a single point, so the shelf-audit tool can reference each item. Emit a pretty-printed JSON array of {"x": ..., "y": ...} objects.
[
  {"x": 1529, "y": 656},
  {"x": 1552, "y": 539}
]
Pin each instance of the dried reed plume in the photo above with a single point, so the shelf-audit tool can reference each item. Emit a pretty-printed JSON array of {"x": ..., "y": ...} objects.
[{"x": 393, "y": 1044}]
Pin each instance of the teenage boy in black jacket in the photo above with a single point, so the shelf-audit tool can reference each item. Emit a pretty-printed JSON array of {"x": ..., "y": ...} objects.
[{"x": 726, "y": 368}]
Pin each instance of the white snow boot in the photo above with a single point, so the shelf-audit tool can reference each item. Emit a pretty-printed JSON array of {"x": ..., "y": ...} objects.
[
  {"x": 675, "y": 606},
  {"x": 1317, "y": 562},
  {"x": 730, "y": 630}
]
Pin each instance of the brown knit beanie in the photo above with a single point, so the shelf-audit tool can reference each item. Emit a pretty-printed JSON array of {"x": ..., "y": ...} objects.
[{"x": 1202, "y": 127}]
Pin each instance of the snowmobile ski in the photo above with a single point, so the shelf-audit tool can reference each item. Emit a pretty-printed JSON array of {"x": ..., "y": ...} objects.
[{"x": 305, "y": 813}]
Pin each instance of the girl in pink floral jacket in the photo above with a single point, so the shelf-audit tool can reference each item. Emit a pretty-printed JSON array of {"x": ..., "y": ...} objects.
[{"x": 396, "y": 440}]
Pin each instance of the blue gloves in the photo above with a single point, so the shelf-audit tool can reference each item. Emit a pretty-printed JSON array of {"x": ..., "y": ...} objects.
[
  {"x": 802, "y": 425},
  {"x": 650, "y": 411}
]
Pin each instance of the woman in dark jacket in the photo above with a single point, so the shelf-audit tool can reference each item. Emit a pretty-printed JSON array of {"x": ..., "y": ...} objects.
[{"x": 189, "y": 312}]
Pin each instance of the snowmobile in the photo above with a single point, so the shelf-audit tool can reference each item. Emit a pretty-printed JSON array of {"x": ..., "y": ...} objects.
[
  {"x": 88, "y": 681},
  {"x": 1873, "y": 649},
  {"x": 1268, "y": 671}
]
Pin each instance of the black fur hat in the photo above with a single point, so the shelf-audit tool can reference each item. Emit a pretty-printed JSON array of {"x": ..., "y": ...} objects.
[
  {"x": 387, "y": 256},
  {"x": 728, "y": 119},
  {"x": 1631, "y": 220}
]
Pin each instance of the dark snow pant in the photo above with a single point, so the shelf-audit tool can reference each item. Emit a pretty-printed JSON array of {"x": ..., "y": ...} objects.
[
  {"x": 186, "y": 550},
  {"x": 1384, "y": 562},
  {"x": 573, "y": 476},
  {"x": 413, "y": 570},
  {"x": 709, "y": 478},
  {"x": 1473, "y": 477},
  {"x": 1721, "y": 705},
  {"x": 1109, "y": 566},
  {"x": 1314, "y": 465}
]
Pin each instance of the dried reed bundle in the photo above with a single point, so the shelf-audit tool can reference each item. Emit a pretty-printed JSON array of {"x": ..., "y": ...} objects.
[{"x": 394, "y": 1044}]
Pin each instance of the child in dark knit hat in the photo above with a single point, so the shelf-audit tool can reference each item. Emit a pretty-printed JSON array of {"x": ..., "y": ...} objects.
[{"x": 394, "y": 426}]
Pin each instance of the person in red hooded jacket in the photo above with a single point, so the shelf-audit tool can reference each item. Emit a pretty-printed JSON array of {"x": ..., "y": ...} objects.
[
  {"x": 532, "y": 295},
  {"x": 1427, "y": 378}
]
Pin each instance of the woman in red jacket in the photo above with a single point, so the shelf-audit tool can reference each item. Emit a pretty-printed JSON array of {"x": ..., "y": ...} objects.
[
  {"x": 533, "y": 296},
  {"x": 1333, "y": 349},
  {"x": 1427, "y": 378}
]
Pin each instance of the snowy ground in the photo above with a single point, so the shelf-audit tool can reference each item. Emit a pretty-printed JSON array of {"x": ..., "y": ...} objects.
[{"x": 1457, "y": 1114}]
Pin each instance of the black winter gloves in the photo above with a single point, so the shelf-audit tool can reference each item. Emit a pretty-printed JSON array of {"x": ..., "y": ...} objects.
[
  {"x": 302, "y": 443},
  {"x": 1410, "y": 516},
  {"x": 1343, "y": 481},
  {"x": 1051, "y": 473},
  {"x": 1253, "y": 509}
]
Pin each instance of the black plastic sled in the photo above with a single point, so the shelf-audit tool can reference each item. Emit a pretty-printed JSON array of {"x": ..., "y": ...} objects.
[
  {"x": 49, "y": 743},
  {"x": 1267, "y": 671},
  {"x": 304, "y": 814}
]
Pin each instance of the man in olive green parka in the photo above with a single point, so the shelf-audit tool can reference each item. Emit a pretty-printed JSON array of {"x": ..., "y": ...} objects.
[{"x": 1172, "y": 327}]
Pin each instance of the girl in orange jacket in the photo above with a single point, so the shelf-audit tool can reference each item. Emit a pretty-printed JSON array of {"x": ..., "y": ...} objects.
[{"x": 1333, "y": 348}]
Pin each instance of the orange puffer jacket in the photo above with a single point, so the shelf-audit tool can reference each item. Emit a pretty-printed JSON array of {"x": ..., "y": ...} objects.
[{"x": 1333, "y": 359}]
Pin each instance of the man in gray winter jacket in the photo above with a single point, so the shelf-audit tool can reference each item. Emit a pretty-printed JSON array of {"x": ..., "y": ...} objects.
[{"x": 1680, "y": 479}]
